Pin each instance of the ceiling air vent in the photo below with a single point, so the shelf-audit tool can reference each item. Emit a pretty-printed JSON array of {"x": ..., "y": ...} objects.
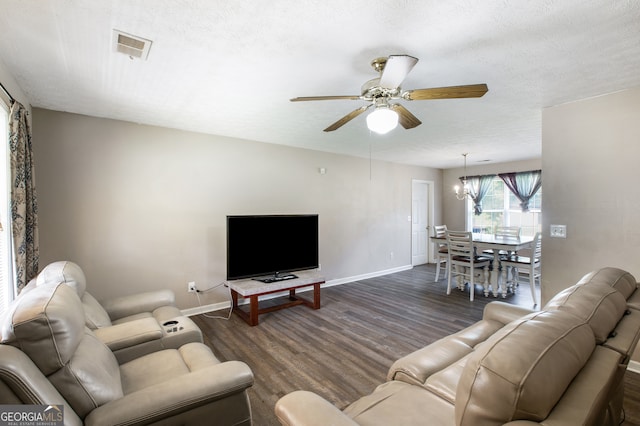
[{"x": 133, "y": 46}]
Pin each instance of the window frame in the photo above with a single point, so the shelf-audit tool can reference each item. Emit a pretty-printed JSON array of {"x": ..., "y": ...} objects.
[
  {"x": 8, "y": 289},
  {"x": 507, "y": 211}
]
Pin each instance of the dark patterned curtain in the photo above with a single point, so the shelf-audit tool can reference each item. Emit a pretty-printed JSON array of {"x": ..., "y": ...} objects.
[
  {"x": 478, "y": 187},
  {"x": 23, "y": 201},
  {"x": 524, "y": 185}
]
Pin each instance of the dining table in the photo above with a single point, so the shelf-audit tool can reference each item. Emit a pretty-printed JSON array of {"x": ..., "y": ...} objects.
[{"x": 497, "y": 244}]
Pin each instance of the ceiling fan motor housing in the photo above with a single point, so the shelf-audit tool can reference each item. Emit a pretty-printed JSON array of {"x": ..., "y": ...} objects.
[{"x": 372, "y": 90}]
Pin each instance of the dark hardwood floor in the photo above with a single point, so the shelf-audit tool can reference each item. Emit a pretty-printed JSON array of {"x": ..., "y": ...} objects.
[{"x": 343, "y": 350}]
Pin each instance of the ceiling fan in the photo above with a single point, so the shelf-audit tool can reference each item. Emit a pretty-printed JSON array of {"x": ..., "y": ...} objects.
[{"x": 381, "y": 93}]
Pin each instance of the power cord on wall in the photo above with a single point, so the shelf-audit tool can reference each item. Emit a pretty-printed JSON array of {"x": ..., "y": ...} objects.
[{"x": 215, "y": 316}]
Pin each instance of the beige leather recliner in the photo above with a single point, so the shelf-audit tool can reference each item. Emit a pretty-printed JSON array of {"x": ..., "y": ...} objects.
[
  {"x": 48, "y": 356},
  {"x": 132, "y": 325}
]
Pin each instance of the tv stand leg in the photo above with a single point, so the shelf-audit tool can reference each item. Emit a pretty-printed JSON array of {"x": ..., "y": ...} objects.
[
  {"x": 316, "y": 296},
  {"x": 253, "y": 314},
  {"x": 234, "y": 299}
]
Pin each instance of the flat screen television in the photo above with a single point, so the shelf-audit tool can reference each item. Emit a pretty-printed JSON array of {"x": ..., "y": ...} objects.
[{"x": 270, "y": 247}]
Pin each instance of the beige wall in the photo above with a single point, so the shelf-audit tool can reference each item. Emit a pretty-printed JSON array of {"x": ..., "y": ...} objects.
[
  {"x": 142, "y": 207},
  {"x": 590, "y": 165},
  {"x": 454, "y": 209},
  {"x": 590, "y": 162}
]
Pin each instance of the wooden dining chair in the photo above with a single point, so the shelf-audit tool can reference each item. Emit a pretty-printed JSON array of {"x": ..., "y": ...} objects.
[
  {"x": 463, "y": 263},
  {"x": 525, "y": 265},
  {"x": 505, "y": 232},
  {"x": 442, "y": 253},
  {"x": 508, "y": 231}
]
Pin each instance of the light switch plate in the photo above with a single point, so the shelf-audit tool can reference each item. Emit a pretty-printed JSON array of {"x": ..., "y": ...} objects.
[{"x": 558, "y": 231}]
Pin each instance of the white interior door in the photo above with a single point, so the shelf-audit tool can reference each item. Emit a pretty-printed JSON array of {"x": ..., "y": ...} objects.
[{"x": 420, "y": 222}]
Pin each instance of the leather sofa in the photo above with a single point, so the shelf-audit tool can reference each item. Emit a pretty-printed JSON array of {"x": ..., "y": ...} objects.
[
  {"x": 49, "y": 357},
  {"x": 130, "y": 326},
  {"x": 562, "y": 365}
]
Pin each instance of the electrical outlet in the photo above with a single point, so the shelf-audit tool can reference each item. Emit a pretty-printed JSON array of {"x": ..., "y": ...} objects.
[
  {"x": 191, "y": 287},
  {"x": 558, "y": 231}
]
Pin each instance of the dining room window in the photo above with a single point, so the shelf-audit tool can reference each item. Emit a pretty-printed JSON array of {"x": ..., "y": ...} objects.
[{"x": 500, "y": 207}]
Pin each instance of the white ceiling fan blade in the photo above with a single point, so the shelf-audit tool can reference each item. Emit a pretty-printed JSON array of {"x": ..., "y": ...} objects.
[{"x": 396, "y": 70}]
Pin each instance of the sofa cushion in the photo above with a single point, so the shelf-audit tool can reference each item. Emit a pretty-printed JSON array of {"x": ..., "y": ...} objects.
[
  {"x": 521, "y": 372},
  {"x": 625, "y": 336},
  {"x": 47, "y": 328},
  {"x": 444, "y": 383},
  {"x": 91, "y": 378},
  {"x": 72, "y": 275},
  {"x": 94, "y": 314},
  {"x": 65, "y": 272},
  {"x": 598, "y": 304},
  {"x": 617, "y": 278},
  {"x": 416, "y": 367},
  {"x": 634, "y": 301},
  {"x": 399, "y": 403}
]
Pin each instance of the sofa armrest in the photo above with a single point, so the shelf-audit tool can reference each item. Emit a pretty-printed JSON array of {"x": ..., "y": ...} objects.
[
  {"x": 167, "y": 399},
  {"x": 504, "y": 312},
  {"x": 129, "y": 334},
  {"x": 309, "y": 409},
  {"x": 136, "y": 303}
]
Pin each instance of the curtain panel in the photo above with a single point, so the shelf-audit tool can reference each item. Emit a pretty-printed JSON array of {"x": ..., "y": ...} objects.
[
  {"x": 23, "y": 201},
  {"x": 524, "y": 185},
  {"x": 478, "y": 187}
]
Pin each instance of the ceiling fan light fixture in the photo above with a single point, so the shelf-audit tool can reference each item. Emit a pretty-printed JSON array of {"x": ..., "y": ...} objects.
[{"x": 382, "y": 120}]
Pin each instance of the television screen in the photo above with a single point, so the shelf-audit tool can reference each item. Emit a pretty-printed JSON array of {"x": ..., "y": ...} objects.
[{"x": 267, "y": 245}]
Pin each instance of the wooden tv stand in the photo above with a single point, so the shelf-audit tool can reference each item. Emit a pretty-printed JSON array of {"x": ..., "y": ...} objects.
[{"x": 253, "y": 289}]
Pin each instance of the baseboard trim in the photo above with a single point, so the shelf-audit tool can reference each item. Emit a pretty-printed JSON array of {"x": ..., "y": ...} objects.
[
  {"x": 205, "y": 308},
  {"x": 634, "y": 366},
  {"x": 339, "y": 281},
  {"x": 346, "y": 280}
]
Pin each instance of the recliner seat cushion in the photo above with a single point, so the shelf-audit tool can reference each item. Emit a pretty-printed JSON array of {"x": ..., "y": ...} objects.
[
  {"x": 164, "y": 366},
  {"x": 161, "y": 314},
  {"x": 521, "y": 372}
]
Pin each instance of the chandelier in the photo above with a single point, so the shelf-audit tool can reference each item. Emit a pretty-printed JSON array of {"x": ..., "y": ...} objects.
[{"x": 464, "y": 193}]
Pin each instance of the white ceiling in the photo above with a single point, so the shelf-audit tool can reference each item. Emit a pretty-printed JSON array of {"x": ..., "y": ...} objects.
[{"x": 230, "y": 67}]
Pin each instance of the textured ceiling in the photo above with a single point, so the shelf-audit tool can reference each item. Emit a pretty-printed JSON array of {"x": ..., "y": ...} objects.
[{"x": 230, "y": 67}]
